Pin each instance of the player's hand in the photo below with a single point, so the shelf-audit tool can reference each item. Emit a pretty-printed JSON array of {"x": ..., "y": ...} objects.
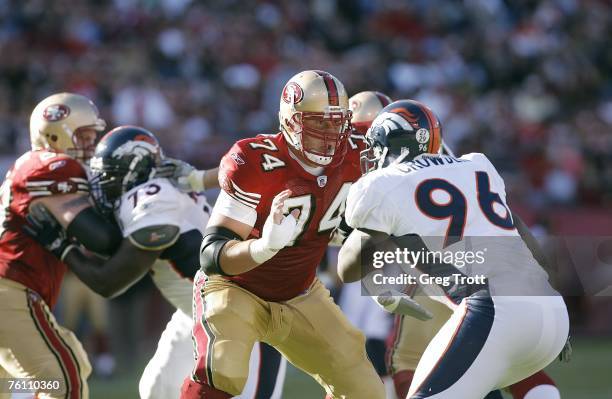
[
  {"x": 397, "y": 303},
  {"x": 183, "y": 175},
  {"x": 277, "y": 231},
  {"x": 44, "y": 228},
  {"x": 566, "y": 353}
]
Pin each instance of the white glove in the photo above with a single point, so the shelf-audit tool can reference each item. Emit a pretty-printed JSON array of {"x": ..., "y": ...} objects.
[
  {"x": 277, "y": 231},
  {"x": 182, "y": 174},
  {"x": 194, "y": 181},
  {"x": 393, "y": 301}
]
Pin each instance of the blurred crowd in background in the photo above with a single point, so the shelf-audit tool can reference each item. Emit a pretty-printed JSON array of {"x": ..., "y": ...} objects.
[{"x": 528, "y": 83}]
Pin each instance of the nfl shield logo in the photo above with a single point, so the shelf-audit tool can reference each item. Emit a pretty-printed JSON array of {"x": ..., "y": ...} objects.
[{"x": 322, "y": 180}]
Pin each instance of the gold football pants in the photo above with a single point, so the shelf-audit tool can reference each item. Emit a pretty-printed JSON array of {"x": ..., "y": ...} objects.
[{"x": 309, "y": 330}]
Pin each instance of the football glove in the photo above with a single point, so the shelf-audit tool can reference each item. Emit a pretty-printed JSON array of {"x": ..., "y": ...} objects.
[
  {"x": 44, "y": 228},
  {"x": 566, "y": 353},
  {"x": 395, "y": 302},
  {"x": 182, "y": 174},
  {"x": 277, "y": 232}
]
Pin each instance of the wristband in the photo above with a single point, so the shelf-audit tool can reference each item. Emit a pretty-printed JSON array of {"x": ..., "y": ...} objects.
[
  {"x": 259, "y": 252},
  {"x": 196, "y": 180}
]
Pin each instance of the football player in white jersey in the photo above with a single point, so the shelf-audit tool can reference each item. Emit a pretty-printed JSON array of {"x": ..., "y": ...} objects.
[
  {"x": 426, "y": 203},
  {"x": 162, "y": 229}
]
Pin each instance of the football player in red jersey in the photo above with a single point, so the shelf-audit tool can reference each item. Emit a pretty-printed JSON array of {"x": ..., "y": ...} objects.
[
  {"x": 63, "y": 131},
  {"x": 283, "y": 196}
]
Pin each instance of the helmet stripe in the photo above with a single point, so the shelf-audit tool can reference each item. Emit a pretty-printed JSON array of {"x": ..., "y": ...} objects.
[
  {"x": 434, "y": 142},
  {"x": 330, "y": 85}
]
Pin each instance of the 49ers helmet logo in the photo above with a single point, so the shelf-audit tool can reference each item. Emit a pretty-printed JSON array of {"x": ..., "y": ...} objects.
[
  {"x": 292, "y": 91},
  {"x": 56, "y": 112}
]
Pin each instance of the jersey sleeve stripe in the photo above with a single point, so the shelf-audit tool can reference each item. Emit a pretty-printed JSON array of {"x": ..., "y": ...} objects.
[
  {"x": 247, "y": 199},
  {"x": 39, "y": 183},
  {"x": 40, "y": 193},
  {"x": 243, "y": 201},
  {"x": 238, "y": 189}
]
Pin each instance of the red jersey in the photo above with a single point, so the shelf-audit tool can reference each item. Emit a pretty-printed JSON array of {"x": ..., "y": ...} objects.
[
  {"x": 34, "y": 174},
  {"x": 253, "y": 172}
]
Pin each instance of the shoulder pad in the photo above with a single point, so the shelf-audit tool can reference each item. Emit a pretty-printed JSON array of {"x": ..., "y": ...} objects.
[
  {"x": 240, "y": 174},
  {"x": 54, "y": 174},
  {"x": 154, "y": 238}
]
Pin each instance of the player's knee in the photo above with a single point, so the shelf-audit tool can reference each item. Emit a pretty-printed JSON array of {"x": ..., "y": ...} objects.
[{"x": 229, "y": 381}]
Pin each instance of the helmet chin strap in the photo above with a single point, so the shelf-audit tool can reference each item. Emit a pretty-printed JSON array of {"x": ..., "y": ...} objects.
[{"x": 318, "y": 159}]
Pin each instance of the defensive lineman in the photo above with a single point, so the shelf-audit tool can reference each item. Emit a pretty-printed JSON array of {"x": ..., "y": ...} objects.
[{"x": 433, "y": 202}]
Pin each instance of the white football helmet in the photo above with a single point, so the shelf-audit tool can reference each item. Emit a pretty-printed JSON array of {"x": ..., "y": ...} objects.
[
  {"x": 314, "y": 117},
  {"x": 365, "y": 106},
  {"x": 56, "y": 120}
]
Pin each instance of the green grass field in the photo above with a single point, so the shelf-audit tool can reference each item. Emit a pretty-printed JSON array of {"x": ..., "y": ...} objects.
[{"x": 587, "y": 376}]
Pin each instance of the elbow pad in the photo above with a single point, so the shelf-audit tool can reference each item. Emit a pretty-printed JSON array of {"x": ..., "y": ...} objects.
[
  {"x": 95, "y": 232},
  {"x": 215, "y": 239}
]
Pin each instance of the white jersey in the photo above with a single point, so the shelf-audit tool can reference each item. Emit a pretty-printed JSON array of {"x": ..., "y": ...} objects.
[
  {"x": 157, "y": 202},
  {"x": 455, "y": 205}
]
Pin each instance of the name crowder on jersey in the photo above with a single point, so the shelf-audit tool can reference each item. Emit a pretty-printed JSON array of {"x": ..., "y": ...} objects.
[{"x": 427, "y": 160}]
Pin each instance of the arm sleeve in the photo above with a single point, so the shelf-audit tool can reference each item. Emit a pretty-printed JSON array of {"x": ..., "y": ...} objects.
[
  {"x": 365, "y": 208},
  {"x": 230, "y": 207},
  {"x": 241, "y": 179},
  {"x": 242, "y": 184},
  {"x": 57, "y": 174}
]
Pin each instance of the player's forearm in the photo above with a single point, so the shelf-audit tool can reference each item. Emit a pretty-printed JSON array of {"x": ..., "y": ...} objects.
[
  {"x": 109, "y": 277},
  {"x": 90, "y": 270},
  {"x": 235, "y": 258},
  {"x": 211, "y": 178}
]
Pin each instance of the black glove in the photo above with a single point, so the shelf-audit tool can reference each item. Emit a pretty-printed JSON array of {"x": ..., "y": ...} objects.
[
  {"x": 566, "y": 353},
  {"x": 44, "y": 229},
  {"x": 344, "y": 230}
]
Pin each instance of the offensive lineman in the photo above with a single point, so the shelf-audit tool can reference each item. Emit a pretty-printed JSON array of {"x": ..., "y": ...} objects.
[
  {"x": 162, "y": 229},
  {"x": 63, "y": 132},
  {"x": 427, "y": 202},
  {"x": 283, "y": 196}
]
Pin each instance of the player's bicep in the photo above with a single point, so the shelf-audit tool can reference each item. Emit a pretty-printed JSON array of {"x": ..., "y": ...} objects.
[
  {"x": 241, "y": 229},
  {"x": 65, "y": 207},
  {"x": 233, "y": 215},
  {"x": 355, "y": 252}
]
